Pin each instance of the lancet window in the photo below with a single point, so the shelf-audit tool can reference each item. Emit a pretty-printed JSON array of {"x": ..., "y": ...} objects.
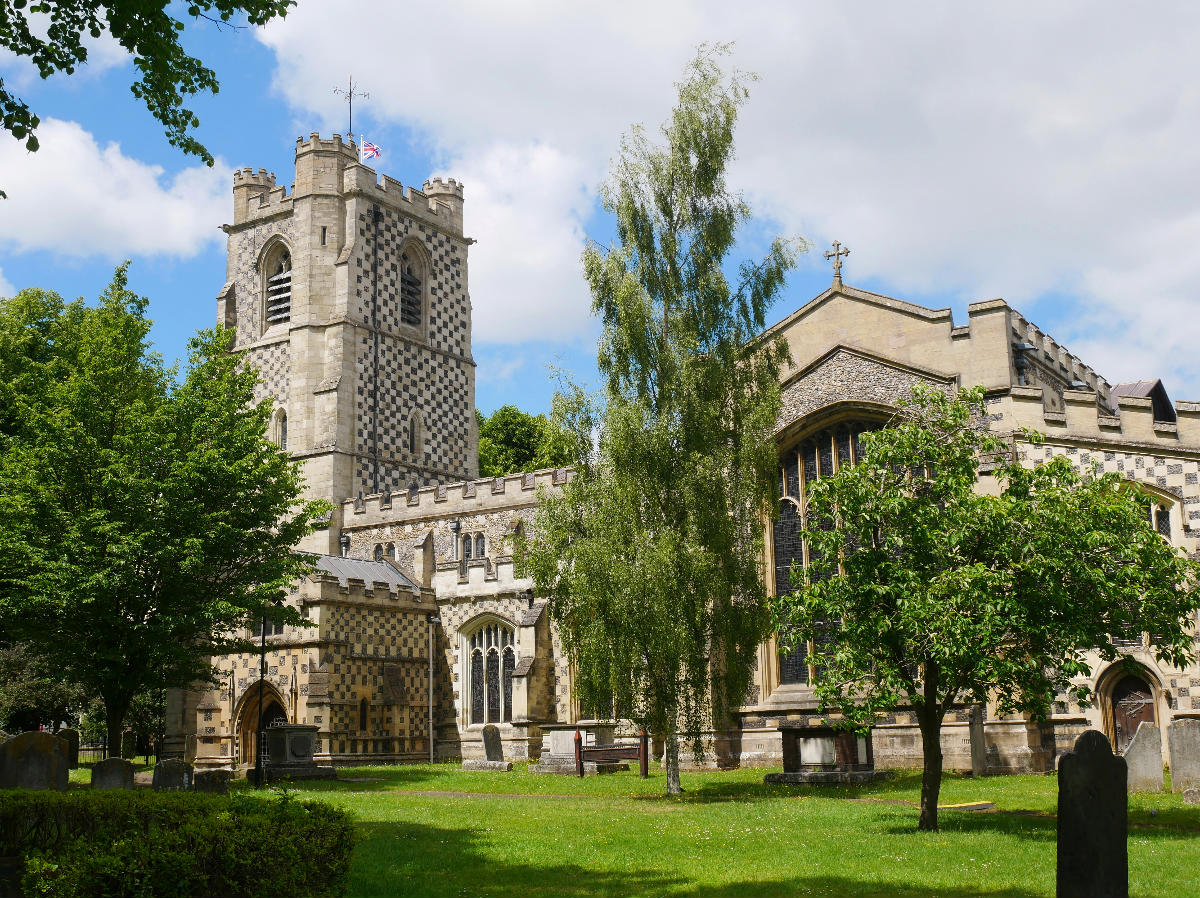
[
  {"x": 410, "y": 291},
  {"x": 278, "y": 287},
  {"x": 493, "y": 656},
  {"x": 819, "y": 455}
]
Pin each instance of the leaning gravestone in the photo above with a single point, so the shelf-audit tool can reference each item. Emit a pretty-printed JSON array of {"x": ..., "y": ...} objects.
[
  {"x": 493, "y": 750},
  {"x": 34, "y": 760},
  {"x": 112, "y": 773},
  {"x": 71, "y": 737},
  {"x": 172, "y": 776},
  {"x": 1183, "y": 738},
  {"x": 1093, "y": 819},
  {"x": 1145, "y": 760},
  {"x": 213, "y": 781}
]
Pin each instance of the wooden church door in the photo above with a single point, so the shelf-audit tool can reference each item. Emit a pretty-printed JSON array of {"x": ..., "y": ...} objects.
[{"x": 1132, "y": 703}]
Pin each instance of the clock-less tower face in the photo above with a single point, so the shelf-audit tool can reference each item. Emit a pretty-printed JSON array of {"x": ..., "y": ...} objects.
[{"x": 350, "y": 298}]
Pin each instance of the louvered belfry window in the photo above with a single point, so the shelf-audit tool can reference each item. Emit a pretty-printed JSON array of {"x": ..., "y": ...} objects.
[
  {"x": 279, "y": 290},
  {"x": 410, "y": 292}
]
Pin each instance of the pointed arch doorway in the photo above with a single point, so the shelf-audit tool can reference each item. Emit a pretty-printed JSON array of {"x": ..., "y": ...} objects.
[
  {"x": 1132, "y": 704},
  {"x": 274, "y": 713}
]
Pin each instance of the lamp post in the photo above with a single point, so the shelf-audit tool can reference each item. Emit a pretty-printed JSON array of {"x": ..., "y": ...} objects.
[
  {"x": 260, "y": 760},
  {"x": 430, "y": 620}
]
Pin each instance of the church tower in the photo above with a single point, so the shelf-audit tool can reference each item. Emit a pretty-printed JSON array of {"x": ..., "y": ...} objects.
[{"x": 350, "y": 298}]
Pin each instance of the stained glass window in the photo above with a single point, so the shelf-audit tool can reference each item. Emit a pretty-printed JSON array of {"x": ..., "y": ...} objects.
[
  {"x": 493, "y": 685},
  {"x": 477, "y": 684},
  {"x": 508, "y": 664}
]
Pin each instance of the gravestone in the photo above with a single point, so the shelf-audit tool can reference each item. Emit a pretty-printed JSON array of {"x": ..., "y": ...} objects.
[
  {"x": 72, "y": 739},
  {"x": 215, "y": 782},
  {"x": 493, "y": 750},
  {"x": 128, "y": 744},
  {"x": 1093, "y": 818},
  {"x": 978, "y": 741},
  {"x": 1191, "y": 796},
  {"x": 1183, "y": 738},
  {"x": 172, "y": 776},
  {"x": 33, "y": 760},
  {"x": 112, "y": 773},
  {"x": 1144, "y": 759},
  {"x": 290, "y": 753}
]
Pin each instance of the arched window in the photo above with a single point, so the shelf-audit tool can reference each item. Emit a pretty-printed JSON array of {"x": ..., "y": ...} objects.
[
  {"x": 467, "y": 544},
  {"x": 277, "y": 273},
  {"x": 390, "y": 551},
  {"x": 480, "y": 545},
  {"x": 283, "y": 431},
  {"x": 362, "y": 715},
  {"x": 493, "y": 656},
  {"x": 415, "y": 442},
  {"x": 817, "y": 456},
  {"x": 410, "y": 290},
  {"x": 379, "y": 551}
]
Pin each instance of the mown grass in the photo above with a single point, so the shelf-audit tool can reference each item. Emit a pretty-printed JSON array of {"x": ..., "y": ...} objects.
[{"x": 437, "y": 830}]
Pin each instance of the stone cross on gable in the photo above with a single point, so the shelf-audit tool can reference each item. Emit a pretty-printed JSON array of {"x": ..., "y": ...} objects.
[{"x": 836, "y": 254}]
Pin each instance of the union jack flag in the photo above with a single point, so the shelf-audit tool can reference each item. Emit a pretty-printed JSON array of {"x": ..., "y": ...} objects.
[{"x": 370, "y": 151}]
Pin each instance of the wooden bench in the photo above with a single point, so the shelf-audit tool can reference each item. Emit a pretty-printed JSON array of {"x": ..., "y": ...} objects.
[{"x": 613, "y": 753}]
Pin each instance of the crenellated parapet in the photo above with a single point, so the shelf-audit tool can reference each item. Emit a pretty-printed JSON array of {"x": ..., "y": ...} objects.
[
  {"x": 466, "y": 497},
  {"x": 441, "y": 208},
  {"x": 1035, "y": 351},
  {"x": 325, "y": 588},
  {"x": 1085, "y": 418}
]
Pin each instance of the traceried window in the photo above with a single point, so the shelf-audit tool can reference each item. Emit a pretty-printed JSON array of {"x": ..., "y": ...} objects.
[
  {"x": 493, "y": 656},
  {"x": 817, "y": 456},
  {"x": 278, "y": 287},
  {"x": 467, "y": 544},
  {"x": 480, "y": 545},
  {"x": 410, "y": 290}
]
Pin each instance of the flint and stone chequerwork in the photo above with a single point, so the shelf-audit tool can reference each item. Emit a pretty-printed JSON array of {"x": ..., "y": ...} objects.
[{"x": 350, "y": 296}]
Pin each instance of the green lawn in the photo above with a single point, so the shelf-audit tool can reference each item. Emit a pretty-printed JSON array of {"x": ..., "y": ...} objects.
[{"x": 436, "y": 830}]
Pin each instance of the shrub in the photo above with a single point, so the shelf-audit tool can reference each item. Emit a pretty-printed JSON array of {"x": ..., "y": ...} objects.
[{"x": 145, "y": 843}]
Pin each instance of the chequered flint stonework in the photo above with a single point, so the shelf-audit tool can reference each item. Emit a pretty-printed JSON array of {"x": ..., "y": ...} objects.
[{"x": 245, "y": 247}]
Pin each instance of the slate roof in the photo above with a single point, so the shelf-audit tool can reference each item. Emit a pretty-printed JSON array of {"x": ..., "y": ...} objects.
[{"x": 367, "y": 571}]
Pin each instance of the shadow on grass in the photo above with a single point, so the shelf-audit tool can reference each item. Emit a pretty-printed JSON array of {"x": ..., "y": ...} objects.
[{"x": 417, "y": 859}]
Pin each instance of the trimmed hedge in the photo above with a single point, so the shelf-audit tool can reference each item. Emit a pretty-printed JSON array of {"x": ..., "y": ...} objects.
[{"x": 143, "y": 843}]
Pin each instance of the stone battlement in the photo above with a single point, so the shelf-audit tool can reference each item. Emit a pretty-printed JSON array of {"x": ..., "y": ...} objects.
[
  {"x": 465, "y": 497},
  {"x": 1051, "y": 353},
  {"x": 435, "y": 187},
  {"x": 331, "y": 589},
  {"x": 443, "y": 208},
  {"x": 315, "y": 144},
  {"x": 248, "y": 177},
  {"x": 1084, "y": 418}
]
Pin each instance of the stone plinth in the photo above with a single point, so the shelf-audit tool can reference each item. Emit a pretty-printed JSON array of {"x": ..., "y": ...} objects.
[{"x": 558, "y": 751}]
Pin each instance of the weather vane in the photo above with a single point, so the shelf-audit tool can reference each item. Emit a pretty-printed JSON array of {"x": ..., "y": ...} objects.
[
  {"x": 350, "y": 93},
  {"x": 836, "y": 254}
]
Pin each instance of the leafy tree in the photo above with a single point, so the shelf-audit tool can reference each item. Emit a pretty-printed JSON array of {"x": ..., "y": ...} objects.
[
  {"x": 928, "y": 592},
  {"x": 32, "y": 694},
  {"x": 511, "y": 441},
  {"x": 650, "y": 554},
  {"x": 143, "y": 516},
  {"x": 51, "y": 34}
]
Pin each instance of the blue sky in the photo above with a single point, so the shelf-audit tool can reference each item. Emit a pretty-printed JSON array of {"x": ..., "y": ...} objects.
[{"x": 1042, "y": 155}]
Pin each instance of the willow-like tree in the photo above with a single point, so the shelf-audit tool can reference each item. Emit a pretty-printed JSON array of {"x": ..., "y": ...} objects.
[
  {"x": 650, "y": 555},
  {"x": 143, "y": 516},
  {"x": 928, "y": 592}
]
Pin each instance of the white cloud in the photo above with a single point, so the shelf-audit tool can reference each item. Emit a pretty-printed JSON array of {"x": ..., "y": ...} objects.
[
  {"x": 1024, "y": 150},
  {"x": 78, "y": 199},
  {"x": 7, "y": 290}
]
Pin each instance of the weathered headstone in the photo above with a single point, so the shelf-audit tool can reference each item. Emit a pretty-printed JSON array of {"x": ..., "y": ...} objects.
[
  {"x": 493, "y": 752},
  {"x": 978, "y": 741},
  {"x": 1191, "y": 796},
  {"x": 1093, "y": 819},
  {"x": 34, "y": 760},
  {"x": 214, "y": 781},
  {"x": 112, "y": 773},
  {"x": 128, "y": 744},
  {"x": 72, "y": 739},
  {"x": 172, "y": 776},
  {"x": 1145, "y": 760},
  {"x": 1183, "y": 738},
  {"x": 493, "y": 748}
]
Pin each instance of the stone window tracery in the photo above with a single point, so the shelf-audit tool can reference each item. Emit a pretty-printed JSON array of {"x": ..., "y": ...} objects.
[
  {"x": 493, "y": 657},
  {"x": 817, "y": 456}
]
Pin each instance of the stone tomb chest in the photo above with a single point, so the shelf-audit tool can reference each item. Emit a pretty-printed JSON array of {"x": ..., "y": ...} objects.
[
  {"x": 290, "y": 748},
  {"x": 821, "y": 755}
]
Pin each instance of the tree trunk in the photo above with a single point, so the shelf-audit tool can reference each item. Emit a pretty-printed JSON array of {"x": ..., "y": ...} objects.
[
  {"x": 672, "y": 756},
  {"x": 114, "y": 720},
  {"x": 931, "y": 775}
]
